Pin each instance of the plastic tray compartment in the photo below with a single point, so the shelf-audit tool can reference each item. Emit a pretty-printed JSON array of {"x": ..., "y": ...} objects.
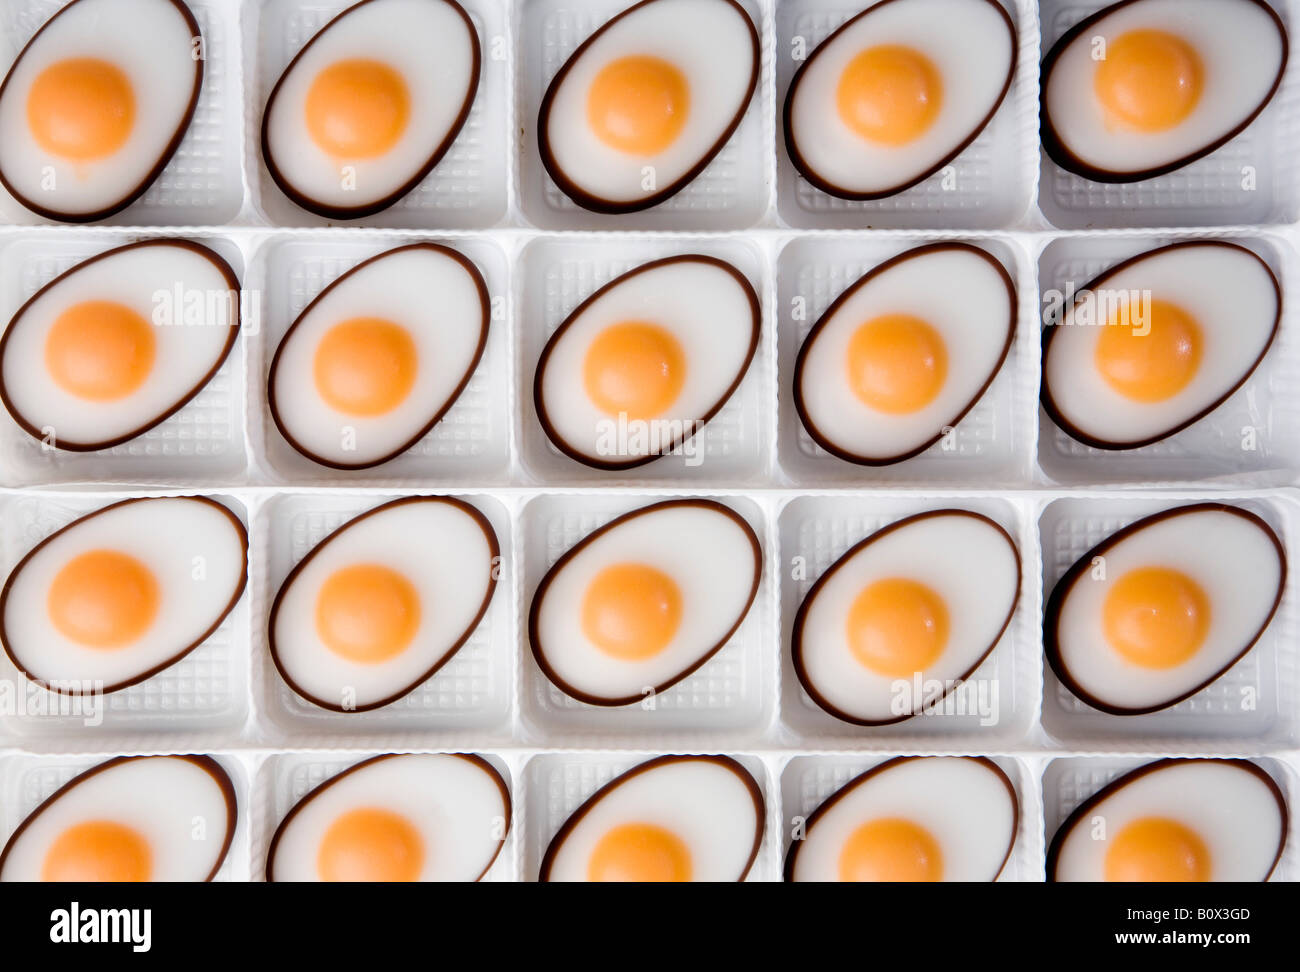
[
  {"x": 556, "y": 274},
  {"x": 732, "y": 192},
  {"x": 467, "y": 703},
  {"x": 556, "y": 784},
  {"x": 26, "y": 781},
  {"x": 994, "y": 709},
  {"x": 1249, "y": 708},
  {"x": 285, "y": 778},
  {"x": 729, "y": 698},
  {"x": 807, "y": 781},
  {"x": 471, "y": 442},
  {"x": 203, "y": 183},
  {"x": 991, "y": 445},
  {"x": 1068, "y": 781},
  {"x": 990, "y": 184},
  {"x": 201, "y": 698},
  {"x": 1253, "y": 438},
  {"x": 468, "y": 186},
  {"x": 1252, "y": 179},
  {"x": 200, "y": 444}
]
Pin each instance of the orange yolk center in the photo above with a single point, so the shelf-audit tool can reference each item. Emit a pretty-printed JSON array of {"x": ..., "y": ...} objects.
[
  {"x": 891, "y": 849},
  {"x": 103, "y": 599},
  {"x": 357, "y": 109},
  {"x": 638, "y": 104},
  {"x": 631, "y": 611},
  {"x": 96, "y": 851},
  {"x": 370, "y": 844},
  {"x": 367, "y": 613},
  {"x": 365, "y": 366},
  {"x": 1156, "y": 617},
  {"x": 99, "y": 350},
  {"x": 896, "y": 363},
  {"x": 897, "y": 627},
  {"x": 1155, "y": 365},
  {"x": 1157, "y": 849},
  {"x": 634, "y": 368},
  {"x": 81, "y": 108},
  {"x": 639, "y": 852},
  {"x": 889, "y": 94},
  {"x": 1150, "y": 80}
]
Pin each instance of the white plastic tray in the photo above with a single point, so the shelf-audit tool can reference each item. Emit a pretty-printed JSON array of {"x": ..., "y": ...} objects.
[{"x": 541, "y": 255}]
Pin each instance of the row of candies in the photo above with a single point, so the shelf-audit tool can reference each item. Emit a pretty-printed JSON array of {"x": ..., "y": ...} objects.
[
  {"x": 447, "y": 817},
  {"x": 650, "y": 360},
  {"x": 1161, "y": 619},
  {"x": 637, "y": 106}
]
